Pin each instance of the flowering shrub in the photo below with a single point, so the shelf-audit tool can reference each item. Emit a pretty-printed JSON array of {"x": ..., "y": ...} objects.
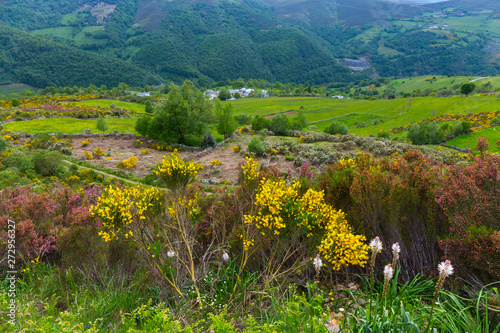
[
  {"x": 117, "y": 208},
  {"x": 98, "y": 152},
  {"x": 87, "y": 155},
  {"x": 249, "y": 172},
  {"x": 145, "y": 151},
  {"x": 85, "y": 143},
  {"x": 215, "y": 163},
  {"x": 236, "y": 148},
  {"x": 127, "y": 163},
  {"x": 175, "y": 172},
  {"x": 281, "y": 209}
]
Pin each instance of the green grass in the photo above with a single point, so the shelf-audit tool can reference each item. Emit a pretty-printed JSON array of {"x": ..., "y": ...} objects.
[
  {"x": 469, "y": 140},
  {"x": 71, "y": 125},
  {"x": 62, "y": 32},
  {"x": 134, "y": 107},
  {"x": 80, "y": 38},
  {"x": 321, "y": 109},
  {"x": 16, "y": 88}
]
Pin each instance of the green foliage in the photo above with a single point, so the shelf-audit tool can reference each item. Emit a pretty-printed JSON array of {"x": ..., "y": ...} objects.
[
  {"x": 142, "y": 125},
  {"x": 256, "y": 146},
  {"x": 279, "y": 124},
  {"x": 102, "y": 124},
  {"x": 300, "y": 122},
  {"x": 467, "y": 88},
  {"x": 224, "y": 95},
  {"x": 183, "y": 116},
  {"x": 426, "y": 132},
  {"x": 15, "y": 102},
  {"x": 208, "y": 140},
  {"x": 337, "y": 128},
  {"x": 3, "y": 144},
  {"x": 260, "y": 122},
  {"x": 226, "y": 124},
  {"x": 47, "y": 163},
  {"x": 243, "y": 119},
  {"x": 149, "y": 107}
]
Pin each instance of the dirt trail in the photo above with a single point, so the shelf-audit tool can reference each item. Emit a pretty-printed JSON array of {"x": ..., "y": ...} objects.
[{"x": 113, "y": 176}]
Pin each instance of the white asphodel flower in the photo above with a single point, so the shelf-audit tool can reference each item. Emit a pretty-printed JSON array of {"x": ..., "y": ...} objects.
[
  {"x": 388, "y": 272},
  {"x": 225, "y": 256},
  {"x": 376, "y": 245},
  {"x": 396, "y": 248},
  {"x": 317, "y": 263},
  {"x": 445, "y": 268},
  {"x": 171, "y": 253}
]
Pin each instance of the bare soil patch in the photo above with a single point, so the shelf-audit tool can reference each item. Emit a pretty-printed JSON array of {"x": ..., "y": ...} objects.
[{"x": 286, "y": 113}]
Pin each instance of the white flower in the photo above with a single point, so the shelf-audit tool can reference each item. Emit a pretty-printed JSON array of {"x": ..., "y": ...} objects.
[
  {"x": 317, "y": 263},
  {"x": 171, "y": 253},
  {"x": 396, "y": 248},
  {"x": 225, "y": 256},
  {"x": 341, "y": 310},
  {"x": 376, "y": 245},
  {"x": 445, "y": 268},
  {"x": 388, "y": 271}
]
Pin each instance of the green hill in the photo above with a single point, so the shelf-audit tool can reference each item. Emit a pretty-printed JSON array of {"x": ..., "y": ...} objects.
[{"x": 39, "y": 62}]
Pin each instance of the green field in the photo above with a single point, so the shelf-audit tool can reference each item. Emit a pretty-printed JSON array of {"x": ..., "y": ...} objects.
[
  {"x": 16, "y": 88},
  {"x": 62, "y": 32},
  {"x": 469, "y": 140},
  {"x": 80, "y": 38},
  {"x": 394, "y": 112},
  {"x": 132, "y": 107},
  {"x": 71, "y": 125}
]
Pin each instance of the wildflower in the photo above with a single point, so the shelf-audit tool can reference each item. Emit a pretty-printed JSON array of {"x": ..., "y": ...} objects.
[
  {"x": 225, "y": 256},
  {"x": 171, "y": 254},
  {"x": 445, "y": 269},
  {"x": 376, "y": 245},
  {"x": 341, "y": 310},
  {"x": 317, "y": 263},
  {"x": 396, "y": 249},
  {"x": 388, "y": 272}
]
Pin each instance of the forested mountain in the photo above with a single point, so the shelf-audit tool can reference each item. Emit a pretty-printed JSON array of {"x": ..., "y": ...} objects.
[
  {"x": 276, "y": 40},
  {"x": 40, "y": 62}
]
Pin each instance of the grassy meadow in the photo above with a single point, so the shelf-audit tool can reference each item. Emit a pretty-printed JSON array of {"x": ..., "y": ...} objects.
[{"x": 71, "y": 125}]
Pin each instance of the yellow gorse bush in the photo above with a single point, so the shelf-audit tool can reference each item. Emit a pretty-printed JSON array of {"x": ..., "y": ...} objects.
[
  {"x": 215, "y": 163},
  {"x": 236, "y": 148},
  {"x": 280, "y": 208},
  {"x": 128, "y": 163},
  {"x": 99, "y": 152},
  {"x": 250, "y": 170},
  {"x": 85, "y": 143},
  {"x": 176, "y": 172},
  {"x": 87, "y": 155},
  {"x": 117, "y": 208}
]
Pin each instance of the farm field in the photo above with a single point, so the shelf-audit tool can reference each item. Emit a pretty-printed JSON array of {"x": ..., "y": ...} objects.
[
  {"x": 133, "y": 107},
  {"x": 71, "y": 125}
]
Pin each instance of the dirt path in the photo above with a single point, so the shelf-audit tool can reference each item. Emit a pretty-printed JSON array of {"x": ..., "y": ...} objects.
[
  {"x": 479, "y": 78},
  {"x": 113, "y": 176}
]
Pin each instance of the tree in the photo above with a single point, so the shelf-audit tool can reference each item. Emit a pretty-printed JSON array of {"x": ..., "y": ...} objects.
[
  {"x": 280, "y": 124},
  {"x": 182, "y": 116},
  {"x": 337, "y": 128},
  {"x": 259, "y": 123},
  {"x": 226, "y": 124},
  {"x": 224, "y": 95},
  {"x": 142, "y": 125},
  {"x": 149, "y": 107},
  {"x": 467, "y": 88},
  {"x": 300, "y": 122},
  {"x": 102, "y": 125}
]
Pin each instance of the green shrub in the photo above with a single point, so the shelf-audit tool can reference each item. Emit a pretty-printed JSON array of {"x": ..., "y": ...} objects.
[
  {"x": 260, "y": 122},
  {"x": 280, "y": 124},
  {"x": 255, "y": 146},
  {"x": 142, "y": 125},
  {"x": 495, "y": 121},
  {"x": 243, "y": 119},
  {"x": 337, "y": 128},
  {"x": 3, "y": 144},
  {"x": 46, "y": 163},
  {"x": 300, "y": 122},
  {"x": 208, "y": 140},
  {"x": 102, "y": 124},
  {"x": 149, "y": 107}
]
